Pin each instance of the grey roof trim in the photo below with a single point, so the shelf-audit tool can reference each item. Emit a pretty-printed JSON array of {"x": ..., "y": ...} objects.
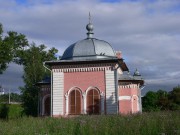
[
  {"x": 63, "y": 62},
  {"x": 89, "y": 56},
  {"x": 127, "y": 76},
  {"x": 130, "y": 78},
  {"x": 134, "y": 79}
]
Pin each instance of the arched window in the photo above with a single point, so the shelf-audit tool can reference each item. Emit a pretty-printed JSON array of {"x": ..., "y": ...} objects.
[
  {"x": 93, "y": 102},
  {"x": 75, "y": 102}
]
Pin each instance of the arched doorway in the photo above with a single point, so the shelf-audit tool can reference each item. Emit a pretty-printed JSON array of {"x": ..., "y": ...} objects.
[
  {"x": 47, "y": 106},
  {"x": 75, "y": 102},
  {"x": 93, "y": 102}
]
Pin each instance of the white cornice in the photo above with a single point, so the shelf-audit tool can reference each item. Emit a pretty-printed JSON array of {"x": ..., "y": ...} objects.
[{"x": 84, "y": 68}]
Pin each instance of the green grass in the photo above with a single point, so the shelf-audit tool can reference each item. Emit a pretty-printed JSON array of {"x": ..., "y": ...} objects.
[{"x": 154, "y": 123}]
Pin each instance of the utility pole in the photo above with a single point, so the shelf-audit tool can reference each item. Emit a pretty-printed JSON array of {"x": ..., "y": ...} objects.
[{"x": 9, "y": 96}]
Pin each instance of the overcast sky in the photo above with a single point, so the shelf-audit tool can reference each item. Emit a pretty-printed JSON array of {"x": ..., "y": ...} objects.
[{"x": 146, "y": 31}]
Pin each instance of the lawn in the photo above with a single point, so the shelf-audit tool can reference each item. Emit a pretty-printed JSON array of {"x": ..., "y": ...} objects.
[{"x": 154, "y": 123}]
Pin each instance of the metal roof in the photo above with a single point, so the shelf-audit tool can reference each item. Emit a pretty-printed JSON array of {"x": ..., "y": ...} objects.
[
  {"x": 46, "y": 80},
  {"x": 90, "y": 48},
  {"x": 126, "y": 77}
]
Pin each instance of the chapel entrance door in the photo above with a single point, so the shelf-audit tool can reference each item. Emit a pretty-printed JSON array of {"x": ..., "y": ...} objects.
[
  {"x": 75, "y": 102},
  {"x": 93, "y": 102},
  {"x": 47, "y": 106},
  {"x": 134, "y": 104}
]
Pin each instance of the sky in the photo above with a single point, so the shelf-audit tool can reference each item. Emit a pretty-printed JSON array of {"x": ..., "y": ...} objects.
[{"x": 147, "y": 32}]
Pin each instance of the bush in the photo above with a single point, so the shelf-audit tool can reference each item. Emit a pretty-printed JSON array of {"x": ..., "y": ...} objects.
[
  {"x": 10, "y": 111},
  {"x": 162, "y": 100},
  {"x": 4, "y": 110}
]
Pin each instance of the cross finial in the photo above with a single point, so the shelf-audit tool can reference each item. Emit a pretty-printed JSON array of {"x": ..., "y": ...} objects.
[
  {"x": 89, "y": 17},
  {"x": 89, "y": 27}
]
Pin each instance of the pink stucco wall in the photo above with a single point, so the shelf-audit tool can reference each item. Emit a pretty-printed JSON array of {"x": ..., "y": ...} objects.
[
  {"x": 125, "y": 106},
  {"x": 131, "y": 105},
  {"x": 84, "y": 80},
  {"x": 128, "y": 91}
]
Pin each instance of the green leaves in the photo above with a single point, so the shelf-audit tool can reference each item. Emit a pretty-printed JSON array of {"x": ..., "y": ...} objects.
[
  {"x": 32, "y": 60},
  {"x": 11, "y": 46},
  {"x": 14, "y": 47},
  {"x": 162, "y": 100}
]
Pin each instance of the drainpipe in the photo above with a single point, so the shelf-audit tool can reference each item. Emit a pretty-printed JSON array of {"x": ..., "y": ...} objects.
[
  {"x": 117, "y": 86},
  {"x": 117, "y": 90},
  {"x": 51, "y": 87}
]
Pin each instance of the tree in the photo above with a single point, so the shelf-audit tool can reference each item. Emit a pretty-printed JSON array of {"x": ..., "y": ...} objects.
[
  {"x": 14, "y": 47},
  {"x": 149, "y": 101},
  {"x": 32, "y": 60},
  {"x": 174, "y": 97},
  {"x": 163, "y": 100},
  {"x": 14, "y": 98},
  {"x": 10, "y": 45}
]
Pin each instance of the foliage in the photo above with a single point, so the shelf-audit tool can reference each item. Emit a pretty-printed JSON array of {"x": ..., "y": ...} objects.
[
  {"x": 150, "y": 101},
  {"x": 4, "y": 109},
  {"x": 15, "y": 111},
  {"x": 14, "y": 98},
  {"x": 32, "y": 60},
  {"x": 174, "y": 99},
  {"x": 10, "y": 45},
  {"x": 162, "y": 100},
  {"x": 10, "y": 111},
  {"x": 14, "y": 47},
  {"x": 174, "y": 95},
  {"x": 153, "y": 123}
]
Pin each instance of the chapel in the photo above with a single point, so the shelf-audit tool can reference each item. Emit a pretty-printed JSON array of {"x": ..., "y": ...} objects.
[{"x": 90, "y": 78}]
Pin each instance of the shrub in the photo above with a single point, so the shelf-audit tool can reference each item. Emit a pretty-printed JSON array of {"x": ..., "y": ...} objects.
[
  {"x": 10, "y": 111},
  {"x": 4, "y": 110}
]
